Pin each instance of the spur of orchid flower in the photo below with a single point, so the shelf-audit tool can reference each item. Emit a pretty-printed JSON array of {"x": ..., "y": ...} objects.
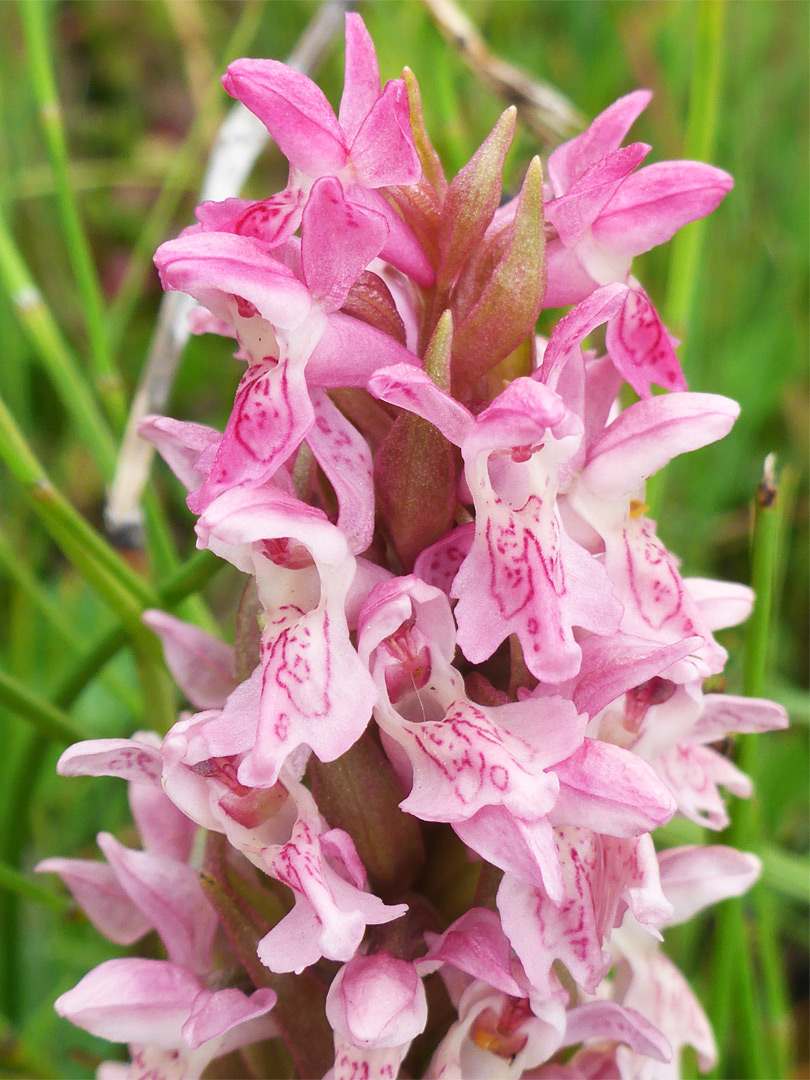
[{"x": 408, "y": 827}]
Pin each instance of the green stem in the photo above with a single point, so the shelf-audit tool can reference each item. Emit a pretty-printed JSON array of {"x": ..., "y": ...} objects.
[
  {"x": 786, "y": 873},
  {"x": 705, "y": 103},
  {"x": 88, "y": 551},
  {"x": 12, "y": 880},
  {"x": 34, "y": 16},
  {"x": 764, "y": 557},
  {"x": 55, "y": 354},
  {"x": 44, "y": 716},
  {"x": 768, "y": 529},
  {"x": 736, "y": 960}
]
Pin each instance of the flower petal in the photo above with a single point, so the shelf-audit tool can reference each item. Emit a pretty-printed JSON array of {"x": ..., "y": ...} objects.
[
  {"x": 132, "y": 1000},
  {"x": 648, "y": 434},
  {"x": 361, "y": 81},
  {"x": 295, "y": 112},
  {"x": 604, "y": 135},
  {"x": 650, "y": 207},
  {"x": 201, "y": 664}
]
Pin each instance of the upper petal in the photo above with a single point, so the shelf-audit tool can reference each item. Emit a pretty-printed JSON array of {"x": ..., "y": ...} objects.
[
  {"x": 361, "y": 81},
  {"x": 610, "y": 790},
  {"x": 648, "y": 434},
  {"x": 294, "y": 110},
  {"x": 202, "y": 665},
  {"x": 696, "y": 876},
  {"x": 338, "y": 241},
  {"x": 573, "y": 213},
  {"x": 132, "y": 1000},
  {"x": 383, "y": 151},
  {"x": 568, "y": 162},
  {"x": 98, "y": 892}
]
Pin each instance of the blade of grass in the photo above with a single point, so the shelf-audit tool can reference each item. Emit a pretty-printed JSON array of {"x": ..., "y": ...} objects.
[
  {"x": 65, "y": 372},
  {"x": 45, "y": 717},
  {"x": 705, "y": 104},
  {"x": 19, "y": 793},
  {"x": 736, "y": 1008},
  {"x": 119, "y": 586},
  {"x": 189, "y": 27},
  {"x": 35, "y": 16},
  {"x": 186, "y": 581},
  {"x": 12, "y": 880},
  {"x": 59, "y": 622},
  {"x": 123, "y": 589},
  {"x": 768, "y": 530},
  {"x": 61, "y": 365}
]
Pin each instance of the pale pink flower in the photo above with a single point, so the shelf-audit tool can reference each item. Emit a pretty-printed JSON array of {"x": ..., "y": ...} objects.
[{"x": 376, "y": 1006}]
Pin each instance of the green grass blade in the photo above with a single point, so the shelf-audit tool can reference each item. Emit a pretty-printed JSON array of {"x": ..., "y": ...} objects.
[
  {"x": 55, "y": 354},
  {"x": 34, "y": 16},
  {"x": 735, "y": 996},
  {"x": 46, "y": 718},
  {"x": 705, "y": 103},
  {"x": 11, "y": 880}
]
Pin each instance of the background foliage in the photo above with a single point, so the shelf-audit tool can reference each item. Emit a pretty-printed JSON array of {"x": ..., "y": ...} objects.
[{"x": 138, "y": 87}]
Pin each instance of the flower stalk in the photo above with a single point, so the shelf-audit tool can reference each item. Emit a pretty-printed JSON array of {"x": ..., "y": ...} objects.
[{"x": 468, "y": 680}]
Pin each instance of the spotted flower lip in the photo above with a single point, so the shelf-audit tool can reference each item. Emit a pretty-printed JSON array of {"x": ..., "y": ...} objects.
[
  {"x": 289, "y": 329},
  {"x": 521, "y": 563}
]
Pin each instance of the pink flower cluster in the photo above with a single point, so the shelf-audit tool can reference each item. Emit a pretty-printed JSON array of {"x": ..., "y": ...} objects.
[{"x": 412, "y": 817}]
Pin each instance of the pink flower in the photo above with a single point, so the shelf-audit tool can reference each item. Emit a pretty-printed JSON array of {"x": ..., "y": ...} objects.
[
  {"x": 286, "y": 316},
  {"x": 604, "y": 213},
  {"x": 312, "y": 688},
  {"x": 174, "y": 1025},
  {"x": 332, "y": 907},
  {"x": 376, "y": 1006},
  {"x": 523, "y": 574},
  {"x": 505, "y": 1024},
  {"x": 503, "y": 775},
  {"x": 368, "y": 147}
]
